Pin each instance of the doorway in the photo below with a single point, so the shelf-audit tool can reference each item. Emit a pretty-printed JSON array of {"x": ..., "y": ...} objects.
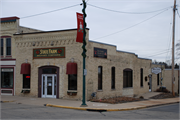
[{"x": 49, "y": 83}]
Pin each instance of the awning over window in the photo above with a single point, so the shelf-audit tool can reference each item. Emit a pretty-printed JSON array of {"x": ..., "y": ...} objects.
[
  {"x": 71, "y": 68},
  {"x": 25, "y": 68}
]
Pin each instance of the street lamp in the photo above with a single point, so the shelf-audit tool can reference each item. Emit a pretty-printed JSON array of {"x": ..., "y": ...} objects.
[{"x": 84, "y": 56}]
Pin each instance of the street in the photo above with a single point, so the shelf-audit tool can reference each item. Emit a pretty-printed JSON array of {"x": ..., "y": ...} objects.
[{"x": 21, "y": 111}]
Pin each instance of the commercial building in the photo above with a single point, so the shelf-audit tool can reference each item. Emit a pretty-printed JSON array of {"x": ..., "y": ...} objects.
[{"x": 49, "y": 64}]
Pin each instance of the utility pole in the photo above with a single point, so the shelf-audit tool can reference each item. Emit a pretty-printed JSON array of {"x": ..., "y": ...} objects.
[
  {"x": 179, "y": 78},
  {"x": 173, "y": 37}
]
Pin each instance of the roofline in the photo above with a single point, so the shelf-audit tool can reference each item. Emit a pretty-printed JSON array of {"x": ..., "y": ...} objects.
[
  {"x": 158, "y": 64},
  {"x": 102, "y": 43},
  {"x": 30, "y": 28},
  {"x": 9, "y": 19},
  {"x": 112, "y": 45},
  {"x": 126, "y": 52},
  {"x": 46, "y": 31},
  {"x": 144, "y": 58},
  {"x": 171, "y": 69}
]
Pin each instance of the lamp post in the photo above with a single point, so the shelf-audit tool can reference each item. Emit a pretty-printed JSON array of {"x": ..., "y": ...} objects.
[{"x": 84, "y": 56}]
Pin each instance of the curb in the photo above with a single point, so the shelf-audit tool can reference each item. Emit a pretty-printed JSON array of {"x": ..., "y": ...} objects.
[
  {"x": 162, "y": 104},
  {"x": 6, "y": 101},
  {"x": 95, "y": 109},
  {"x": 106, "y": 109}
]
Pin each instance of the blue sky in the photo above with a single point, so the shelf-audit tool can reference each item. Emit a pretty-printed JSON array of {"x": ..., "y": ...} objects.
[{"x": 150, "y": 39}]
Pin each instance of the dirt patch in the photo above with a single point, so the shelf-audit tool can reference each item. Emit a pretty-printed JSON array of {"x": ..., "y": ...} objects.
[
  {"x": 164, "y": 95},
  {"x": 116, "y": 100},
  {"x": 122, "y": 99}
]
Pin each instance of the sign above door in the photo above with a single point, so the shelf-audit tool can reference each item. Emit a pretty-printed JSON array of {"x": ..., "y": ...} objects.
[{"x": 49, "y": 53}]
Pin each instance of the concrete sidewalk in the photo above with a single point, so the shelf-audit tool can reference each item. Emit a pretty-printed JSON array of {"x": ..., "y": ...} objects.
[{"x": 92, "y": 106}]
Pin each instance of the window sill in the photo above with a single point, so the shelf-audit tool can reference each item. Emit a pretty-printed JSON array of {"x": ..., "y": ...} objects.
[
  {"x": 25, "y": 91},
  {"x": 100, "y": 90},
  {"x": 72, "y": 92},
  {"x": 8, "y": 56},
  {"x": 113, "y": 89},
  {"x": 128, "y": 88}
]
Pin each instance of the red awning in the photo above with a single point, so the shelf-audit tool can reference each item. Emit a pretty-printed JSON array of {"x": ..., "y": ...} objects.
[
  {"x": 71, "y": 68},
  {"x": 25, "y": 68}
]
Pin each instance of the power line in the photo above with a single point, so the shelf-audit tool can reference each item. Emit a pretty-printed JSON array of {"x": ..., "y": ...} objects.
[
  {"x": 128, "y": 12},
  {"x": 159, "y": 54},
  {"x": 130, "y": 26},
  {"x": 50, "y": 11},
  {"x": 178, "y": 13},
  {"x": 146, "y": 50},
  {"x": 170, "y": 36},
  {"x": 162, "y": 51}
]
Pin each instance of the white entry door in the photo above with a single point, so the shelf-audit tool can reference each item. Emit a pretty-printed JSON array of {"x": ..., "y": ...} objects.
[{"x": 49, "y": 86}]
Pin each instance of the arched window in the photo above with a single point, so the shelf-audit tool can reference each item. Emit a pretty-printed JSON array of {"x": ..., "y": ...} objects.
[
  {"x": 99, "y": 77},
  {"x": 113, "y": 78},
  {"x": 127, "y": 78}
]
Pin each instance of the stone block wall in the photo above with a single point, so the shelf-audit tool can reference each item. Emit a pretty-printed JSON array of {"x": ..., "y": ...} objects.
[
  {"x": 167, "y": 81},
  {"x": 119, "y": 60},
  {"x": 24, "y": 50}
]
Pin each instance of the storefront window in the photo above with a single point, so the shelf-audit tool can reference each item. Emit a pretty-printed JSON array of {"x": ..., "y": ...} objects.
[
  {"x": 72, "y": 82},
  {"x": 7, "y": 78}
]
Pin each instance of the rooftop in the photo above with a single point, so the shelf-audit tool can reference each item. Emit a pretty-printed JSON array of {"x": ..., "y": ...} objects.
[{"x": 9, "y": 19}]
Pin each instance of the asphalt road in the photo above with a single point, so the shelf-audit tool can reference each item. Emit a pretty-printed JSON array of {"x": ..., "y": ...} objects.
[{"x": 21, "y": 111}]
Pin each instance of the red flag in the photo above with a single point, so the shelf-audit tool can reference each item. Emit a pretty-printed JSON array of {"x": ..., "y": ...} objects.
[{"x": 80, "y": 27}]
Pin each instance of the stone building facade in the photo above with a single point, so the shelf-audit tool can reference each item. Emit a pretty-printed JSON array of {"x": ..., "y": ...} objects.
[
  {"x": 9, "y": 26},
  {"x": 43, "y": 60}
]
